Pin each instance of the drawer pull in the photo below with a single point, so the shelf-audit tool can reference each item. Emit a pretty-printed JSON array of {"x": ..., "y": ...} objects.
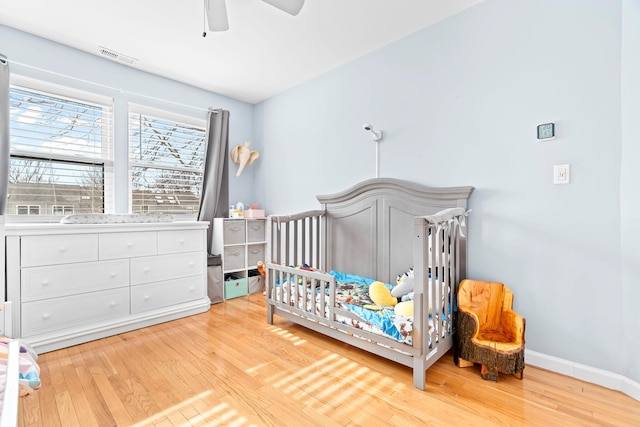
[
  {"x": 112, "y": 275},
  {"x": 192, "y": 288},
  {"x": 112, "y": 304},
  {"x": 46, "y": 316},
  {"x": 234, "y": 228},
  {"x": 181, "y": 241},
  {"x": 62, "y": 249},
  {"x": 146, "y": 269},
  {"x": 255, "y": 251},
  {"x": 129, "y": 244},
  {"x": 45, "y": 282},
  {"x": 147, "y": 297},
  {"x": 191, "y": 263}
]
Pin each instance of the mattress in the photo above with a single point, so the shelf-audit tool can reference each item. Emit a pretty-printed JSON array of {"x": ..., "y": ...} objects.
[{"x": 352, "y": 296}]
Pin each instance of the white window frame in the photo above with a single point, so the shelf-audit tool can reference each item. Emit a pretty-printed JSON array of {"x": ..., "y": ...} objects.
[
  {"x": 65, "y": 209},
  {"x": 169, "y": 116},
  {"x": 106, "y": 158},
  {"x": 28, "y": 210}
]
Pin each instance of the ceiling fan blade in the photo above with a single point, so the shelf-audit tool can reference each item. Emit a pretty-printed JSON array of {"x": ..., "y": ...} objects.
[
  {"x": 217, "y": 15},
  {"x": 292, "y": 7}
]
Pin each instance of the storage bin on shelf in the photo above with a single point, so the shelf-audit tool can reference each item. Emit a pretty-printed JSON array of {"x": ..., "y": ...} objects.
[
  {"x": 255, "y": 282},
  {"x": 235, "y": 286}
]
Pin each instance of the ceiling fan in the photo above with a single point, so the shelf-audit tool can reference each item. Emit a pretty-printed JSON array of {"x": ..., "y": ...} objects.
[{"x": 216, "y": 11}]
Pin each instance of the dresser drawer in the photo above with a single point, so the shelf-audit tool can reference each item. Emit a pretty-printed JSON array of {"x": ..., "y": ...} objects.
[
  {"x": 166, "y": 267},
  {"x": 66, "y": 279},
  {"x": 234, "y": 232},
  {"x": 234, "y": 258},
  {"x": 163, "y": 294},
  {"x": 58, "y": 249},
  {"x": 74, "y": 311},
  {"x": 255, "y": 231},
  {"x": 170, "y": 242},
  {"x": 255, "y": 253},
  {"x": 125, "y": 245}
]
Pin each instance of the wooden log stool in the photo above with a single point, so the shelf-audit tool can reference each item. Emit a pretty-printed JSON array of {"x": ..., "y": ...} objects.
[{"x": 489, "y": 332}]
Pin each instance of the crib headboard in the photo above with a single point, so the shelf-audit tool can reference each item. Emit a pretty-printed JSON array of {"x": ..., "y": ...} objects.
[{"x": 370, "y": 226}]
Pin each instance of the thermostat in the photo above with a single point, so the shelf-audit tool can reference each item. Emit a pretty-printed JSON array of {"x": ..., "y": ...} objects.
[{"x": 546, "y": 131}]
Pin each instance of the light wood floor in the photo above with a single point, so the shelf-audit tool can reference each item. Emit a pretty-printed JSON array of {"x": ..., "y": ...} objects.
[{"x": 228, "y": 367}]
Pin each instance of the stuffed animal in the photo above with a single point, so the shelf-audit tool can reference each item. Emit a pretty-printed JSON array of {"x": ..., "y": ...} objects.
[
  {"x": 381, "y": 295},
  {"x": 404, "y": 308},
  {"x": 262, "y": 268},
  {"x": 243, "y": 155},
  {"x": 404, "y": 284}
]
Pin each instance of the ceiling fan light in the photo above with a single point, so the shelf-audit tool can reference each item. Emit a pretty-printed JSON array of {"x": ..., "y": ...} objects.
[
  {"x": 217, "y": 15},
  {"x": 292, "y": 7}
]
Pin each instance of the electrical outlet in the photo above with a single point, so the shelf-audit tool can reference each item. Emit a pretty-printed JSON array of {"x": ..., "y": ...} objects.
[{"x": 561, "y": 174}]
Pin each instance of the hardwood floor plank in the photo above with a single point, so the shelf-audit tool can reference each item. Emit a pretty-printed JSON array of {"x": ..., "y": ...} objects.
[
  {"x": 116, "y": 408},
  {"x": 228, "y": 367}
]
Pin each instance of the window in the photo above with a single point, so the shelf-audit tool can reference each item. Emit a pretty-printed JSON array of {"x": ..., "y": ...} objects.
[
  {"x": 61, "y": 151},
  {"x": 166, "y": 160},
  {"x": 28, "y": 209},
  {"x": 62, "y": 210}
]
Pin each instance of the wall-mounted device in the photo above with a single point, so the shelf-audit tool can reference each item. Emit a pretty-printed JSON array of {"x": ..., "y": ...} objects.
[
  {"x": 377, "y": 134},
  {"x": 546, "y": 131}
]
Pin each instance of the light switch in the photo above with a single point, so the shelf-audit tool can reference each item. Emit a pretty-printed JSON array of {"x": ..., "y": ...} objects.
[{"x": 561, "y": 174}]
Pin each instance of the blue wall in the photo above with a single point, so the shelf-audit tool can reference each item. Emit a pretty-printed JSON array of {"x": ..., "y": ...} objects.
[
  {"x": 459, "y": 103},
  {"x": 630, "y": 177}
]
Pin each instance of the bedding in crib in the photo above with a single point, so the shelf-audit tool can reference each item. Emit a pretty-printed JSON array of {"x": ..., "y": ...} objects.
[{"x": 352, "y": 295}]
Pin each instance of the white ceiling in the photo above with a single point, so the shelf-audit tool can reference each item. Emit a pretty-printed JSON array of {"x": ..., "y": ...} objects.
[{"x": 265, "y": 52}]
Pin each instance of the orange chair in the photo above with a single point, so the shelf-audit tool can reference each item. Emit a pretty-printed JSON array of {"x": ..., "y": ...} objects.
[{"x": 489, "y": 332}]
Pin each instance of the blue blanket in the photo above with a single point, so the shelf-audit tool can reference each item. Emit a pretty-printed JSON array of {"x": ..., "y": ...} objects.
[{"x": 358, "y": 287}]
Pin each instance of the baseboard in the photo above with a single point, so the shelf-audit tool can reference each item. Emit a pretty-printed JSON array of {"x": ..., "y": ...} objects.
[{"x": 583, "y": 372}]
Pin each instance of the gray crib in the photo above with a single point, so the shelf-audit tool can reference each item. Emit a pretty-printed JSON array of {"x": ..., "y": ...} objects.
[{"x": 377, "y": 229}]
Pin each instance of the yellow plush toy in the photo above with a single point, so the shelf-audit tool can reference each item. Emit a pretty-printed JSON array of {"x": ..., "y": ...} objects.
[
  {"x": 381, "y": 295},
  {"x": 404, "y": 308}
]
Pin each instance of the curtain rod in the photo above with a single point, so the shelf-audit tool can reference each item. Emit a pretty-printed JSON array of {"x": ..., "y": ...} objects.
[{"x": 126, "y": 92}]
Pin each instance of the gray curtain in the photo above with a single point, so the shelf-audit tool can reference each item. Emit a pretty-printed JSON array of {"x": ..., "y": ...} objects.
[
  {"x": 4, "y": 131},
  {"x": 214, "y": 201}
]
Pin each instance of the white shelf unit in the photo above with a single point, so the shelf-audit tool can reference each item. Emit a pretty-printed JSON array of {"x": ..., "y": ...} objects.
[
  {"x": 73, "y": 283},
  {"x": 241, "y": 242}
]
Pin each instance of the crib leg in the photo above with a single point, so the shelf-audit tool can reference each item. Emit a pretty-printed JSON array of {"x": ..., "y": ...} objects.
[
  {"x": 419, "y": 373},
  {"x": 270, "y": 314}
]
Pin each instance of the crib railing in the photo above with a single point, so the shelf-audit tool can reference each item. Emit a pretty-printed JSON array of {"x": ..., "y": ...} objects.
[
  {"x": 297, "y": 239},
  {"x": 441, "y": 248},
  {"x": 306, "y": 293}
]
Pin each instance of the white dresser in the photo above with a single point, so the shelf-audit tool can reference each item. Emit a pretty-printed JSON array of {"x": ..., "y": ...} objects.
[{"x": 72, "y": 283}]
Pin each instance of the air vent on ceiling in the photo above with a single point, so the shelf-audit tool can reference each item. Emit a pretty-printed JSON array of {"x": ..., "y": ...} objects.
[{"x": 112, "y": 54}]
